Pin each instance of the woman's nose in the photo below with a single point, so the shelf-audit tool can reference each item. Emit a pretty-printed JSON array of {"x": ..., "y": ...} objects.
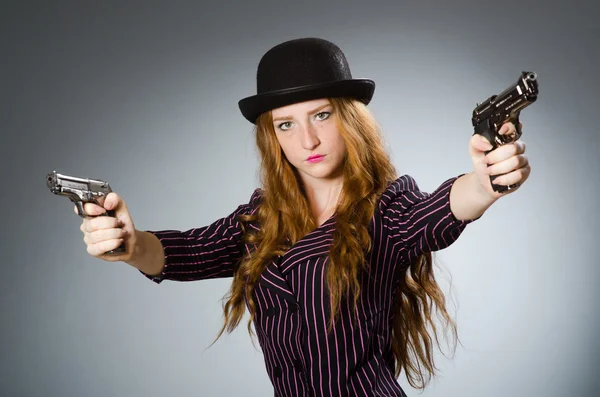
[{"x": 309, "y": 137}]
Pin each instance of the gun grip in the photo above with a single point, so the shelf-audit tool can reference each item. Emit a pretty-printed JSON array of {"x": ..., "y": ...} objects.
[{"x": 121, "y": 249}]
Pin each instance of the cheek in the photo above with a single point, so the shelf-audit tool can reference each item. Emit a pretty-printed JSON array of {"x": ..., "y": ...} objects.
[
  {"x": 287, "y": 147},
  {"x": 340, "y": 145},
  {"x": 337, "y": 139}
]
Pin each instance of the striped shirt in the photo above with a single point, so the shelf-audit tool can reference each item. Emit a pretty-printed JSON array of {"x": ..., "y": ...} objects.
[{"x": 292, "y": 310}]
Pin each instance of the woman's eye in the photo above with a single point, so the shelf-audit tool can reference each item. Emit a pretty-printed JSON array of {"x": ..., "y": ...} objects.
[
  {"x": 284, "y": 126},
  {"x": 323, "y": 115}
]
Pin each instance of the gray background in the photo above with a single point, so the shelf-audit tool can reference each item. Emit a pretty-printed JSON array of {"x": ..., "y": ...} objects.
[{"x": 144, "y": 95}]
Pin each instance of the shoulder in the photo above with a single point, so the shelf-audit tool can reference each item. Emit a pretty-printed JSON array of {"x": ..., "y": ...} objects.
[
  {"x": 402, "y": 184},
  {"x": 256, "y": 198},
  {"x": 398, "y": 187},
  {"x": 249, "y": 207},
  {"x": 404, "y": 194},
  {"x": 406, "y": 187}
]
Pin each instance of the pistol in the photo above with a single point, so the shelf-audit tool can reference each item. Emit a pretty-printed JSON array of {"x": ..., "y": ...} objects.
[
  {"x": 489, "y": 116},
  {"x": 81, "y": 191}
]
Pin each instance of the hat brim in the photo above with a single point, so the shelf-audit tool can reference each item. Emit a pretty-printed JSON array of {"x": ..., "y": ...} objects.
[{"x": 361, "y": 89}]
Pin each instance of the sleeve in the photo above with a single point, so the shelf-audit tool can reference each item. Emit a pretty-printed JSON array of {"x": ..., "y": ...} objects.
[
  {"x": 203, "y": 253},
  {"x": 419, "y": 222}
]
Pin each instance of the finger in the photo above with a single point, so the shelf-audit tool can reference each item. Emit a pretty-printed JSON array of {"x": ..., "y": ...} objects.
[
  {"x": 101, "y": 248},
  {"x": 516, "y": 176},
  {"x": 87, "y": 226},
  {"x": 501, "y": 153},
  {"x": 508, "y": 165},
  {"x": 101, "y": 222},
  {"x": 93, "y": 209},
  {"x": 478, "y": 145},
  {"x": 506, "y": 127},
  {"x": 103, "y": 235},
  {"x": 113, "y": 201},
  {"x": 90, "y": 209},
  {"x": 521, "y": 146},
  {"x": 482, "y": 144}
]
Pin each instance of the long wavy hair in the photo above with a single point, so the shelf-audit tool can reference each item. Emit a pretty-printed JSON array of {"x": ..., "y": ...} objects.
[{"x": 284, "y": 212}]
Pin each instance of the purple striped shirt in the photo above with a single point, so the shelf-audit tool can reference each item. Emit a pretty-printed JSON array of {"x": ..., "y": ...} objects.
[{"x": 292, "y": 301}]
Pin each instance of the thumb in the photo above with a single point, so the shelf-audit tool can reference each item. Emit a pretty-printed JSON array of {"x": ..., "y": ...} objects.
[
  {"x": 112, "y": 201},
  {"x": 480, "y": 144},
  {"x": 116, "y": 203}
]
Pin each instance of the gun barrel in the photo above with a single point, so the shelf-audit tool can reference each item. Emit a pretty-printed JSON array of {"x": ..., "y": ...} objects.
[
  {"x": 51, "y": 182},
  {"x": 530, "y": 85},
  {"x": 59, "y": 183},
  {"x": 509, "y": 102}
]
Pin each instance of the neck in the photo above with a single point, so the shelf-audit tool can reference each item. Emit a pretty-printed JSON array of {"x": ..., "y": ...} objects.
[{"x": 323, "y": 196}]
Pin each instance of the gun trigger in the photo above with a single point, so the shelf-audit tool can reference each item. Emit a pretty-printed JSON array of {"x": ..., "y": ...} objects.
[
  {"x": 80, "y": 210},
  {"x": 517, "y": 127}
]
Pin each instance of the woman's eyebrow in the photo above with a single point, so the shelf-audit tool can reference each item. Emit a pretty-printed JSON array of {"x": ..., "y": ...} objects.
[{"x": 310, "y": 112}]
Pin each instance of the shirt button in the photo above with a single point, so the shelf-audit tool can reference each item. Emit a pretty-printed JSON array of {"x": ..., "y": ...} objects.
[{"x": 277, "y": 372}]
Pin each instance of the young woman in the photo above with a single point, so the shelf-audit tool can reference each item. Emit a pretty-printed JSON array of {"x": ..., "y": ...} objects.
[{"x": 332, "y": 255}]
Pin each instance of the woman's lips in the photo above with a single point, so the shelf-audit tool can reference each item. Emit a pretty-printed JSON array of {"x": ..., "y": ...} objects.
[{"x": 315, "y": 159}]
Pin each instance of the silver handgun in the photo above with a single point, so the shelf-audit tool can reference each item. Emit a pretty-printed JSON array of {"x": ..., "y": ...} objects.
[{"x": 81, "y": 191}]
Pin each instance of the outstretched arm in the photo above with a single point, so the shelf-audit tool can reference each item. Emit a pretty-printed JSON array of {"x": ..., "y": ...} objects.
[
  {"x": 417, "y": 222},
  {"x": 197, "y": 254}
]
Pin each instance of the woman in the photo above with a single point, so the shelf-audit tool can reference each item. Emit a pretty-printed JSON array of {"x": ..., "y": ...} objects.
[{"x": 332, "y": 256}]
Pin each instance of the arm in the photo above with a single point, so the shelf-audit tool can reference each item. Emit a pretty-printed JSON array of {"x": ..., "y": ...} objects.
[
  {"x": 417, "y": 222},
  {"x": 196, "y": 254},
  {"x": 149, "y": 255},
  {"x": 468, "y": 199}
]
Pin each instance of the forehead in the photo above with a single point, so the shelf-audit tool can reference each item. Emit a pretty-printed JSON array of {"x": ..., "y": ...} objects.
[{"x": 300, "y": 107}]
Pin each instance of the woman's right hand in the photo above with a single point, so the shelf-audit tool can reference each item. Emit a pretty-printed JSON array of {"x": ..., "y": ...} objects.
[{"x": 105, "y": 233}]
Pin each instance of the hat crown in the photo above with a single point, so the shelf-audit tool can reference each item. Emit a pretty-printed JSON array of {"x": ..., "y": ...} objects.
[
  {"x": 301, "y": 62},
  {"x": 301, "y": 70}
]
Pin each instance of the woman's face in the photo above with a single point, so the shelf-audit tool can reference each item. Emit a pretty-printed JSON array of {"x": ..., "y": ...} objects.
[{"x": 310, "y": 139}]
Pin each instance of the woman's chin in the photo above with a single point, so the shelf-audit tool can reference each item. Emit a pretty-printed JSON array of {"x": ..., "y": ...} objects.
[{"x": 324, "y": 174}]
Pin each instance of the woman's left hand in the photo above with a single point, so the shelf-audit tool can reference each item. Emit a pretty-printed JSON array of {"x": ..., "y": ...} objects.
[{"x": 508, "y": 161}]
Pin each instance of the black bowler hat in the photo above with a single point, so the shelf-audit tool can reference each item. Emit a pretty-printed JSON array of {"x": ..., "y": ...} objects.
[{"x": 302, "y": 70}]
